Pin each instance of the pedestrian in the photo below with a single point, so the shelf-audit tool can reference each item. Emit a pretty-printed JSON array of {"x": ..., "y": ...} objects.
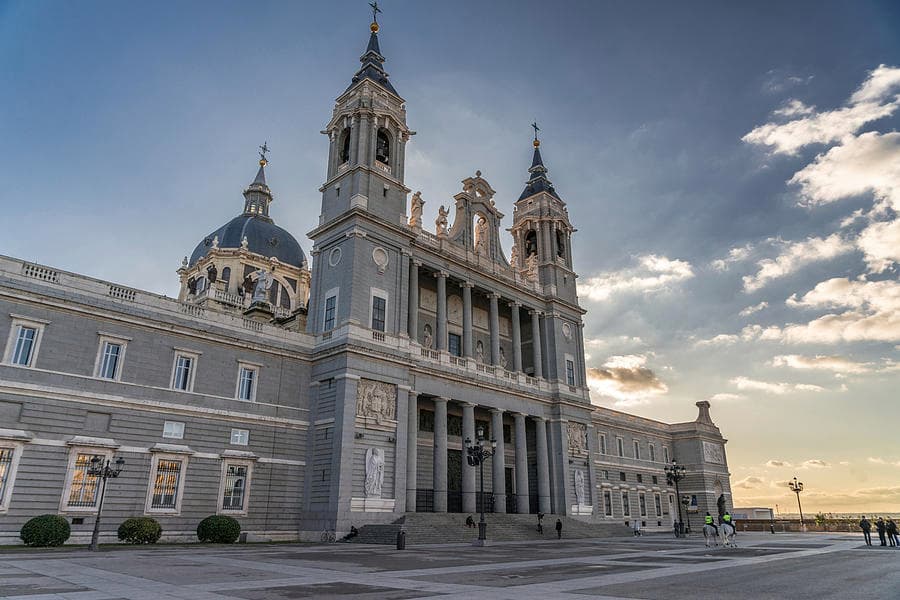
[
  {"x": 470, "y": 522},
  {"x": 891, "y": 528},
  {"x": 558, "y": 529},
  {"x": 541, "y": 523},
  {"x": 866, "y": 529},
  {"x": 879, "y": 525},
  {"x": 636, "y": 527}
]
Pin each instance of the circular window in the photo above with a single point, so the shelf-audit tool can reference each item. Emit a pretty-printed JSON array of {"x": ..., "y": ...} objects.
[
  {"x": 380, "y": 256},
  {"x": 567, "y": 331},
  {"x": 334, "y": 257}
]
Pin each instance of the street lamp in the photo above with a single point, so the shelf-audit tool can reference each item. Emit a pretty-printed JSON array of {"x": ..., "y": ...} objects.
[
  {"x": 797, "y": 487},
  {"x": 674, "y": 474},
  {"x": 475, "y": 456},
  {"x": 104, "y": 472},
  {"x": 685, "y": 501}
]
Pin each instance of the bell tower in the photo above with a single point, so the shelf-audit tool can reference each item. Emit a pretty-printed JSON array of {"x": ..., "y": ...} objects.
[{"x": 367, "y": 144}]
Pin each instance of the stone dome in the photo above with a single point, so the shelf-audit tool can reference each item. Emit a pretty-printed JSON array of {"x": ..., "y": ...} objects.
[{"x": 264, "y": 237}]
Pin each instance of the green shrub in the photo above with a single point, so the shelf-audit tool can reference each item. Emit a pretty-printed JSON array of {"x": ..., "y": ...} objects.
[
  {"x": 219, "y": 529},
  {"x": 46, "y": 530},
  {"x": 140, "y": 530}
]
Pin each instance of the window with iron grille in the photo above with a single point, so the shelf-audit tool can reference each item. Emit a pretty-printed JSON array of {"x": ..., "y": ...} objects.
[
  {"x": 247, "y": 383},
  {"x": 235, "y": 487},
  {"x": 454, "y": 344},
  {"x": 24, "y": 348},
  {"x": 626, "y": 507},
  {"x": 640, "y": 478},
  {"x": 379, "y": 305},
  {"x": 330, "y": 305},
  {"x": 184, "y": 365},
  {"x": 6, "y": 457},
  {"x": 607, "y": 503},
  {"x": 652, "y": 453},
  {"x": 570, "y": 372},
  {"x": 109, "y": 361},
  {"x": 621, "y": 475},
  {"x": 658, "y": 503},
  {"x": 84, "y": 487},
  {"x": 642, "y": 500},
  {"x": 620, "y": 446},
  {"x": 637, "y": 450},
  {"x": 167, "y": 480},
  {"x": 602, "y": 444},
  {"x": 665, "y": 455}
]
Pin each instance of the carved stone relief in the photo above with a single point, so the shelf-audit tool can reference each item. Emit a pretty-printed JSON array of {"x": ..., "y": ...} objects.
[
  {"x": 577, "y": 437},
  {"x": 455, "y": 309},
  {"x": 376, "y": 400},
  {"x": 480, "y": 317},
  {"x": 713, "y": 453},
  {"x": 428, "y": 299}
]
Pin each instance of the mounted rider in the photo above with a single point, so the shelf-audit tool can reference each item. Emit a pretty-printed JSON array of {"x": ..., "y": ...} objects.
[
  {"x": 727, "y": 520},
  {"x": 708, "y": 520}
]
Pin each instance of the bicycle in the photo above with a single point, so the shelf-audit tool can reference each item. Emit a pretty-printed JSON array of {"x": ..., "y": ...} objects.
[{"x": 328, "y": 536}]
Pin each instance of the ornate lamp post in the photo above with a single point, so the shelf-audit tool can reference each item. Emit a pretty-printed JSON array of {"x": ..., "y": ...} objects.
[
  {"x": 674, "y": 474},
  {"x": 475, "y": 456},
  {"x": 686, "y": 501},
  {"x": 104, "y": 472},
  {"x": 797, "y": 487}
]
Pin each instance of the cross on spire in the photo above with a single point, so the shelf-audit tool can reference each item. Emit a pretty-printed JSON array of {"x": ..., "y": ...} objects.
[
  {"x": 263, "y": 150},
  {"x": 375, "y": 11},
  {"x": 536, "y": 129}
]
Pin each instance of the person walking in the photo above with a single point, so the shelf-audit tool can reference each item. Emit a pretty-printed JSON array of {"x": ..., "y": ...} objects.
[
  {"x": 558, "y": 529},
  {"x": 866, "y": 529},
  {"x": 879, "y": 525},
  {"x": 541, "y": 523},
  {"x": 891, "y": 529},
  {"x": 636, "y": 528}
]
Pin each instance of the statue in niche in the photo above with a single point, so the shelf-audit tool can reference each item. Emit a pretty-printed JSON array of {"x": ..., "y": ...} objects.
[
  {"x": 579, "y": 487},
  {"x": 427, "y": 338},
  {"x": 502, "y": 358},
  {"x": 514, "y": 256},
  {"x": 441, "y": 222},
  {"x": 374, "y": 472},
  {"x": 415, "y": 211},
  {"x": 192, "y": 286},
  {"x": 481, "y": 236},
  {"x": 560, "y": 244},
  {"x": 215, "y": 243},
  {"x": 479, "y": 352},
  {"x": 531, "y": 243},
  {"x": 577, "y": 437},
  {"x": 377, "y": 400},
  {"x": 212, "y": 273},
  {"x": 263, "y": 283},
  {"x": 531, "y": 270}
]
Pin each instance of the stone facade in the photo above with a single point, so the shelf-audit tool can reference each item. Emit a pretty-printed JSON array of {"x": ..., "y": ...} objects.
[{"x": 345, "y": 398}]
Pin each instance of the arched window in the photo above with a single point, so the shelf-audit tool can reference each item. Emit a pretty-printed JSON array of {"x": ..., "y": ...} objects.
[
  {"x": 345, "y": 145},
  {"x": 560, "y": 243},
  {"x": 226, "y": 274},
  {"x": 383, "y": 146},
  {"x": 530, "y": 243}
]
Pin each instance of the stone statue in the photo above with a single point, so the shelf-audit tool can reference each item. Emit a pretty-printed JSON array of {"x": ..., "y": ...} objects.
[
  {"x": 427, "y": 338},
  {"x": 479, "y": 352},
  {"x": 184, "y": 262},
  {"x": 215, "y": 242},
  {"x": 374, "y": 472},
  {"x": 441, "y": 222},
  {"x": 579, "y": 487},
  {"x": 720, "y": 504},
  {"x": 244, "y": 243},
  {"x": 514, "y": 256},
  {"x": 263, "y": 283},
  {"x": 531, "y": 270},
  {"x": 502, "y": 357},
  {"x": 481, "y": 236},
  {"x": 415, "y": 211},
  {"x": 577, "y": 433}
]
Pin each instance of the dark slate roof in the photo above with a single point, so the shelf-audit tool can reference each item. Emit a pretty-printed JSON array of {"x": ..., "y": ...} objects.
[
  {"x": 538, "y": 182},
  {"x": 373, "y": 66},
  {"x": 263, "y": 237}
]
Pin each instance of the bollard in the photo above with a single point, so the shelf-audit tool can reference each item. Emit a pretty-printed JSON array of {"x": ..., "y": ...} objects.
[{"x": 401, "y": 540}]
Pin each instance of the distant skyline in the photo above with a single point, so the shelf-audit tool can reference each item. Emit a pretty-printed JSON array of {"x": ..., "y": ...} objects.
[{"x": 733, "y": 170}]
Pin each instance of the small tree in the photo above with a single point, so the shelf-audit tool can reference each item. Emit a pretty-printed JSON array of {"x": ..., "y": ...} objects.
[
  {"x": 219, "y": 529},
  {"x": 140, "y": 530},
  {"x": 45, "y": 530}
]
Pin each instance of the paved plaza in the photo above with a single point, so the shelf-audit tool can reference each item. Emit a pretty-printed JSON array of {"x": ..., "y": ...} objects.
[{"x": 652, "y": 567}]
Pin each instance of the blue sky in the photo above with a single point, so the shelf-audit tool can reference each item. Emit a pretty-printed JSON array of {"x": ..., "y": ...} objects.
[{"x": 731, "y": 168}]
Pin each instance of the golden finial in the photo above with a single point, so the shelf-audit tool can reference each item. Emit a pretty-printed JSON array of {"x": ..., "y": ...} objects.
[
  {"x": 374, "y": 27},
  {"x": 375, "y": 11},
  {"x": 537, "y": 142},
  {"x": 262, "y": 154}
]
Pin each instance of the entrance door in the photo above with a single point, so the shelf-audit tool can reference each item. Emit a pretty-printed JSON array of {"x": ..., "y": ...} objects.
[
  {"x": 511, "y": 504},
  {"x": 454, "y": 481}
]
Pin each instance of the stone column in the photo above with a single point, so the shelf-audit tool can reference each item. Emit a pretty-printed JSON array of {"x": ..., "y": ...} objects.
[
  {"x": 498, "y": 461},
  {"x": 495, "y": 329},
  {"x": 521, "y": 465},
  {"x": 543, "y": 464},
  {"x": 354, "y": 140},
  {"x": 468, "y": 474},
  {"x": 413, "y": 318},
  {"x": 536, "y": 343},
  {"x": 440, "y": 455},
  {"x": 362, "y": 140},
  {"x": 412, "y": 435},
  {"x": 467, "y": 319},
  {"x": 440, "y": 334},
  {"x": 516, "y": 337}
]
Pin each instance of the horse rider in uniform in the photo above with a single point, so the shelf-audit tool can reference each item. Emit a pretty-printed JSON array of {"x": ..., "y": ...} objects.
[
  {"x": 708, "y": 520},
  {"x": 726, "y": 518}
]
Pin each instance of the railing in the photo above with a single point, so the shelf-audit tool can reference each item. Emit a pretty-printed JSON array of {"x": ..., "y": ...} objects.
[
  {"x": 42, "y": 273},
  {"x": 530, "y": 380},
  {"x": 121, "y": 293},
  {"x": 382, "y": 166},
  {"x": 424, "y": 500},
  {"x": 282, "y": 313},
  {"x": 252, "y": 325},
  {"x": 430, "y": 354},
  {"x": 429, "y": 238},
  {"x": 192, "y": 309},
  {"x": 459, "y": 362},
  {"x": 326, "y": 336},
  {"x": 226, "y": 298},
  {"x": 378, "y": 336}
]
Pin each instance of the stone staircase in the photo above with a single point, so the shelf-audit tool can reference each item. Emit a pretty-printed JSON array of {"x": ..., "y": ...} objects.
[{"x": 449, "y": 528}]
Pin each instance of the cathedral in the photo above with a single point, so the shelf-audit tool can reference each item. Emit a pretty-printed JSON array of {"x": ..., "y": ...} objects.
[{"x": 304, "y": 394}]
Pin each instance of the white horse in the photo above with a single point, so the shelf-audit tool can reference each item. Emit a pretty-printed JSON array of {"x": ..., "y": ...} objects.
[
  {"x": 728, "y": 535},
  {"x": 709, "y": 533}
]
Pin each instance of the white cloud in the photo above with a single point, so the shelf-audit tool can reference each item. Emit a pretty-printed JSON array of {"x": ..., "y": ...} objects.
[
  {"x": 794, "y": 108},
  {"x": 776, "y": 388},
  {"x": 795, "y": 255},
  {"x": 876, "y": 98},
  {"x": 723, "y": 339},
  {"x": 749, "y": 483},
  {"x": 626, "y": 379},
  {"x": 758, "y": 332},
  {"x": 734, "y": 255},
  {"x": 835, "y": 364},
  {"x": 652, "y": 274},
  {"x": 880, "y": 242},
  {"x": 777, "y": 463},
  {"x": 754, "y": 309},
  {"x": 877, "y": 460},
  {"x": 815, "y": 463},
  {"x": 726, "y": 397}
]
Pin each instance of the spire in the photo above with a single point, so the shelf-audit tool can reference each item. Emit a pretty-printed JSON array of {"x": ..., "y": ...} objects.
[
  {"x": 372, "y": 60},
  {"x": 538, "y": 181},
  {"x": 258, "y": 196}
]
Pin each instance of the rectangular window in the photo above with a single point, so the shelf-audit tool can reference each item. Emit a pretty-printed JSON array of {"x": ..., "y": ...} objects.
[
  {"x": 183, "y": 372},
  {"x": 655, "y": 480},
  {"x": 246, "y": 387},
  {"x": 570, "y": 372},
  {"x": 235, "y": 490},
  {"x": 626, "y": 505},
  {"x": 110, "y": 357},
  {"x": 620, "y": 446},
  {"x": 84, "y": 487},
  {"x": 173, "y": 430},
  {"x": 6, "y": 475},
  {"x": 426, "y": 420},
  {"x": 454, "y": 344},
  {"x": 637, "y": 450},
  {"x": 652, "y": 453},
  {"x": 166, "y": 484},
  {"x": 665, "y": 455},
  {"x": 640, "y": 478},
  {"x": 606, "y": 475},
  {"x": 602, "y": 444},
  {"x": 26, "y": 339},
  {"x": 240, "y": 437},
  {"x": 379, "y": 308},
  {"x": 642, "y": 501},
  {"x": 330, "y": 309},
  {"x": 658, "y": 502},
  {"x": 607, "y": 503},
  {"x": 621, "y": 475}
]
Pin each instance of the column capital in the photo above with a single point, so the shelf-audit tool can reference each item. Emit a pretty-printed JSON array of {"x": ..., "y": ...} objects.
[
  {"x": 468, "y": 404},
  {"x": 440, "y": 399},
  {"x": 405, "y": 252},
  {"x": 535, "y": 312},
  {"x": 495, "y": 411},
  {"x": 539, "y": 419},
  {"x": 518, "y": 415},
  {"x": 416, "y": 262},
  {"x": 413, "y": 392},
  {"x": 467, "y": 284},
  {"x": 439, "y": 274},
  {"x": 514, "y": 304},
  {"x": 493, "y": 295}
]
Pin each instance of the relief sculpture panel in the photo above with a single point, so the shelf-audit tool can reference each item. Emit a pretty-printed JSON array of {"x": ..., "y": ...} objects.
[
  {"x": 377, "y": 401},
  {"x": 577, "y": 437}
]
